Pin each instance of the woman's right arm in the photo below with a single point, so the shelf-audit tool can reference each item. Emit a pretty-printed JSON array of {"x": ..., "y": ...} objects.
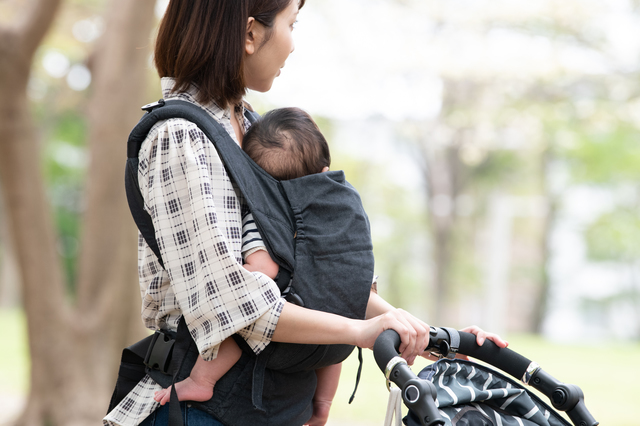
[
  {"x": 301, "y": 325},
  {"x": 197, "y": 220}
]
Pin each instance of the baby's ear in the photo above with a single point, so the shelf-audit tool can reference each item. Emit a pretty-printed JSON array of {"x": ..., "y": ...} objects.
[{"x": 325, "y": 169}]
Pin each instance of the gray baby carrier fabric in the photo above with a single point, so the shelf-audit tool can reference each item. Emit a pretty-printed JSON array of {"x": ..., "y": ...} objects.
[
  {"x": 315, "y": 228},
  {"x": 471, "y": 394}
]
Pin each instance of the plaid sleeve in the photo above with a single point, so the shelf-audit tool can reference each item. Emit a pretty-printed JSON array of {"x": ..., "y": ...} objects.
[
  {"x": 136, "y": 406},
  {"x": 197, "y": 218}
]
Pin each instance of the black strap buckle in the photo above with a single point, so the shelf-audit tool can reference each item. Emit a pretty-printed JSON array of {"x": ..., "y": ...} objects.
[
  {"x": 150, "y": 107},
  {"x": 159, "y": 353},
  {"x": 450, "y": 349},
  {"x": 445, "y": 340}
]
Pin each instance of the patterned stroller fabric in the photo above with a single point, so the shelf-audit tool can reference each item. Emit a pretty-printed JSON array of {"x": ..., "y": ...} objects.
[{"x": 470, "y": 394}]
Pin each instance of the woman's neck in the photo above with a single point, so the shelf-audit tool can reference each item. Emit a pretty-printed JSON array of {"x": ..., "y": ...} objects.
[{"x": 237, "y": 128}]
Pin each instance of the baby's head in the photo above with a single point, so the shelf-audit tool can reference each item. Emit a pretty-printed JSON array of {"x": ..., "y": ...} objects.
[{"x": 287, "y": 144}]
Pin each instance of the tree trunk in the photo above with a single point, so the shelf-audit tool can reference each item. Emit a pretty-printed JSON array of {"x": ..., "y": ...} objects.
[
  {"x": 9, "y": 275},
  {"x": 441, "y": 177},
  {"x": 541, "y": 302},
  {"x": 447, "y": 178},
  {"x": 107, "y": 280},
  {"x": 27, "y": 209},
  {"x": 75, "y": 349}
]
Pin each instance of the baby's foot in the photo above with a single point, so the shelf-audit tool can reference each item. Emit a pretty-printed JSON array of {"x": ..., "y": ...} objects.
[{"x": 187, "y": 390}]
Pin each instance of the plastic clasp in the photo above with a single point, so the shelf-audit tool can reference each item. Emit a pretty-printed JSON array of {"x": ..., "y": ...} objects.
[
  {"x": 153, "y": 105},
  {"x": 445, "y": 341},
  {"x": 159, "y": 353}
]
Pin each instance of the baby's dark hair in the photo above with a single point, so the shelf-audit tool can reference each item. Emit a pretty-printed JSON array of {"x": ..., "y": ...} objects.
[{"x": 287, "y": 144}]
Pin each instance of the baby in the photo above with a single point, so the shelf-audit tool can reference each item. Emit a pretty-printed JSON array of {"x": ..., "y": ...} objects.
[{"x": 287, "y": 144}]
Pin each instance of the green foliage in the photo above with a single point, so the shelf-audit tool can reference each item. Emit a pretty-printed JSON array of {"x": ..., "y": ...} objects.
[
  {"x": 606, "y": 156},
  {"x": 499, "y": 168},
  {"x": 64, "y": 163},
  {"x": 604, "y": 151},
  {"x": 64, "y": 155},
  {"x": 614, "y": 236},
  {"x": 61, "y": 116}
]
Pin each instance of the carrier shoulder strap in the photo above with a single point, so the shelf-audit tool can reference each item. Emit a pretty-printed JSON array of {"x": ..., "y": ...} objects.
[{"x": 231, "y": 155}]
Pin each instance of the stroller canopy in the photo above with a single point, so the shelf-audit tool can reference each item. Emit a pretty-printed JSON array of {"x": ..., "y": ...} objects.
[{"x": 472, "y": 394}]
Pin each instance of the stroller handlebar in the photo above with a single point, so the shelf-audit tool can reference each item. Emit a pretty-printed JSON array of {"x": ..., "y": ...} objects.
[
  {"x": 386, "y": 347},
  {"x": 388, "y": 343},
  {"x": 419, "y": 395},
  {"x": 502, "y": 358},
  {"x": 447, "y": 342}
]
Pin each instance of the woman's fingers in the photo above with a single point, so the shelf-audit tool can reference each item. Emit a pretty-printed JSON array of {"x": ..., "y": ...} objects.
[
  {"x": 480, "y": 333},
  {"x": 482, "y": 336},
  {"x": 497, "y": 340},
  {"x": 415, "y": 335},
  {"x": 408, "y": 337},
  {"x": 369, "y": 330},
  {"x": 422, "y": 328},
  {"x": 396, "y": 321},
  {"x": 421, "y": 340}
]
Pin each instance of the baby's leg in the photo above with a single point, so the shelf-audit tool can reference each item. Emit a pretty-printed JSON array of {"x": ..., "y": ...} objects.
[
  {"x": 204, "y": 375},
  {"x": 328, "y": 378}
]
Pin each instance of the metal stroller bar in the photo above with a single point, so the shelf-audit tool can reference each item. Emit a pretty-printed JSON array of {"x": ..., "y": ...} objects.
[{"x": 419, "y": 395}]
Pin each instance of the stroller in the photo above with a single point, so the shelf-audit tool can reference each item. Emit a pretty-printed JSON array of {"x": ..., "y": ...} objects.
[{"x": 461, "y": 393}]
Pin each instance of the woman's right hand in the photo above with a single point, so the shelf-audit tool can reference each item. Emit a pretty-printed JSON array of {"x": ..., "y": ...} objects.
[{"x": 414, "y": 333}]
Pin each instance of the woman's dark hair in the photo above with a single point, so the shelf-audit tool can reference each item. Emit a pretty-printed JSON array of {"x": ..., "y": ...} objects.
[
  {"x": 202, "y": 42},
  {"x": 287, "y": 144}
]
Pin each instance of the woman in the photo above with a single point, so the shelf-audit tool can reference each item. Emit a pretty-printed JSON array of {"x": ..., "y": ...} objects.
[{"x": 209, "y": 52}]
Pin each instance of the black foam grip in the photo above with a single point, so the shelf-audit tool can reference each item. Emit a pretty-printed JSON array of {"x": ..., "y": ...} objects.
[
  {"x": 504, "y": 359},
  {"x": 386, "y": 347}
]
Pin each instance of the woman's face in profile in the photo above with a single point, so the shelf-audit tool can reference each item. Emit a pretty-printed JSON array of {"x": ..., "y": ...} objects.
[{"x": 264, "y": 64}]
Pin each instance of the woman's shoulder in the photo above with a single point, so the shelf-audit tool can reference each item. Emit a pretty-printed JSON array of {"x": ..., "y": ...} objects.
[
  {"x": 174, "y": 130},
  {"x": 175, "y": 136}
]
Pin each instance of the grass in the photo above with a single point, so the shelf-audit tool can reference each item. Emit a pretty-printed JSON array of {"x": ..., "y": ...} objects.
[{"x": 608, "y": 373}]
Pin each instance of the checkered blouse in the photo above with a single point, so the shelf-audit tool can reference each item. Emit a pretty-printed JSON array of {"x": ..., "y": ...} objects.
[{"x": 200, "y": 227}]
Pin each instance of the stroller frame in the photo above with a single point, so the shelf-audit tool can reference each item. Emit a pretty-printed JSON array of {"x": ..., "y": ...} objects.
[{"x": 419, "y": 395}]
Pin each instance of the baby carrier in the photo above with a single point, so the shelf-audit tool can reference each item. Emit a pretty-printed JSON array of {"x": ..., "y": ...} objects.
[
  {"x": 314, "y": 228},
  {"x": 453, "y": 392}
]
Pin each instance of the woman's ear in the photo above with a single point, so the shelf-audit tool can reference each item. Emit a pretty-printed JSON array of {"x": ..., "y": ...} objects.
[
  {"x": 254, "y": 35},
  {"x": 325, "y": 169}
]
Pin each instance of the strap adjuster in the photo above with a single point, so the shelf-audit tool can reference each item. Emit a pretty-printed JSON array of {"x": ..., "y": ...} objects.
[
  {"x": 159, "y": 353},
  {"x": 153, "y": 105},
  {"x": 445, "y": 348},
  {"x": 454, "y": 342}
]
